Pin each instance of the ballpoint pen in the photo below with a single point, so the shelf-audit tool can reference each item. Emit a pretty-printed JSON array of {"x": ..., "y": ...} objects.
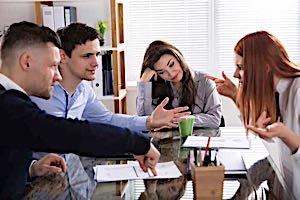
[
  {"x": 215, "y": 159},
  {"x": 196, "y": 156}
]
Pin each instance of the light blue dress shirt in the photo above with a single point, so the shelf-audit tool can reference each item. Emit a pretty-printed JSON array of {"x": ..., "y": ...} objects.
[{"x": 83, "y": 104}]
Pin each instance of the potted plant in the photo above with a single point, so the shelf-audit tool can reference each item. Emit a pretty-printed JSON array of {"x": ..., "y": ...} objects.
[{"x": 101, "y": 28}]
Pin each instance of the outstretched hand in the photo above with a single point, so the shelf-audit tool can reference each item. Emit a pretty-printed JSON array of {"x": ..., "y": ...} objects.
[
  {"x": 273, "y": 130},
  {"x": 51, "y": 163},
  {"x": 224, "y": 86},
  {"x": 281, "y": 131},
  {"x": 265, "y": 130},
  {"x": 161, "y": 117}
]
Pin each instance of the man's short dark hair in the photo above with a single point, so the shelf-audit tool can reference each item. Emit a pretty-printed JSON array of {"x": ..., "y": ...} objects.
[
  {"x": 25, "y": 34},
  {"x": 76, "y": 34}
]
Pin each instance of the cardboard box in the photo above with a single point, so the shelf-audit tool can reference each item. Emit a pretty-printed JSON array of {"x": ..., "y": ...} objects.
[{"x": 208, "y": 182}]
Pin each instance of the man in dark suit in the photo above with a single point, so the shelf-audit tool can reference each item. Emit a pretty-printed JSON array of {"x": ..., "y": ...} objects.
[{"x": 30, "y": 58}]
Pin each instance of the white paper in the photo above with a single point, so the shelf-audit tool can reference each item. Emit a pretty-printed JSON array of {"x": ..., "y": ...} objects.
[
  {"x": 117, "y": 172},
  {"x": 232, "y": 160},
  {"x": 257, "y": 152},
  {"x": 218, "y": 142}
]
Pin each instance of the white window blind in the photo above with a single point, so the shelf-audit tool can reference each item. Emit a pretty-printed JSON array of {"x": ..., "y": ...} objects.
[
  {"x": 207, "y": 30},
  {"x": 180, "y": 22},
  {"x": 234, "y": 19}
]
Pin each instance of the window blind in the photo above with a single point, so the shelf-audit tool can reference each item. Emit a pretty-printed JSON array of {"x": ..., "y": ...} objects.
[
  {"x": 180, "y": 22},
  {"x": 206, "y": 30},
  {"x": 234, "y": 19}
]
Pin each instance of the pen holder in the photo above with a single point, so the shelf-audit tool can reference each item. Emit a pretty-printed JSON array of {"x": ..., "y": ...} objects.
[{"x": 208, "y": 182}]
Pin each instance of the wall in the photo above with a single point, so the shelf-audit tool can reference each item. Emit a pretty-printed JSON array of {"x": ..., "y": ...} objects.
[
  {"x": 14, "y": 12},
  {"x": 88, "y": 11},
  {"x": 91, "y": 11}
]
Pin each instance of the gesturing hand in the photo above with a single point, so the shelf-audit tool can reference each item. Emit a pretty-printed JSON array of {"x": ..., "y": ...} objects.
[
  {"x": 224, "y": 86},
  {"x": 51, "y": 163},
  {"x": 161, "y": 117},
  {"x": 149, "y": 160},
  {"x": 262, "y": 120}
]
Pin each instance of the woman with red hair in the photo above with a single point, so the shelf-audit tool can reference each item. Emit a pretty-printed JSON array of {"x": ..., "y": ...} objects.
[{"x": 267, "y": 96}]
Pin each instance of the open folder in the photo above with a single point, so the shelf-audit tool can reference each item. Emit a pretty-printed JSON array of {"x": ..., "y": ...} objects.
[
  {"x": 132, "y": 170},
  {"x": 217, "y": 142}
]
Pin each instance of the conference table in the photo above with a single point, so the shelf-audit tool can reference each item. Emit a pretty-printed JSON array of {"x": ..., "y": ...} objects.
[{"x": 257, "y": 179}]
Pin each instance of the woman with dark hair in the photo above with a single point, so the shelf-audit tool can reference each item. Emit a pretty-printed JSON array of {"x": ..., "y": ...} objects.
[
  {"x": 165, "y": 73},
  {"x": 268, "y": 97}
]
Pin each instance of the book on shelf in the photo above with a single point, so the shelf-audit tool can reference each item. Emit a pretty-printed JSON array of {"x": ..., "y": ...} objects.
[
  {"x": 70, "y": 15},
  {"x": 107, "y": 74},
  {"x": 59, "y": 17},
  {"x": 48, "y": 16},
  {"x": 56, "y": 17}
]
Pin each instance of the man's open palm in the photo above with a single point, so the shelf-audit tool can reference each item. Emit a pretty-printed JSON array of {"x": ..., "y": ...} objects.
[{"x": 162, "y": 117}]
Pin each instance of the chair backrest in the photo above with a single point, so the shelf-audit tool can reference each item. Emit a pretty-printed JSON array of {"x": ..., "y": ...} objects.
[{"x": 222, "y": 124}]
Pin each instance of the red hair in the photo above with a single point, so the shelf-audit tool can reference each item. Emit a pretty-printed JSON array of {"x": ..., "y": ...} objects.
[{"x": 263, "y": 57}]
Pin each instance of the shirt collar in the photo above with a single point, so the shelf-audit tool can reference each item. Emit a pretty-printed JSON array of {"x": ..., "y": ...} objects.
[
  {"x": 78, "y": 89},
  {"x": 282, "y": 85},
  {"x": 8, "y": 84}
]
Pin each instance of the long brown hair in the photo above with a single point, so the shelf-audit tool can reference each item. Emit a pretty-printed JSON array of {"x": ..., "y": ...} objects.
[
  {"x": 162, "y": 88},
  {"x": 263, "y": 57}
]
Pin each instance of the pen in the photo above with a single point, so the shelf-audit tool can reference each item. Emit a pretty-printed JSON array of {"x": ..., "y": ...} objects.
[
  {"x": 207, "y": 146},
  {"x": 215, "y": 159},
  {"x": 195, "y": 157},
  {"x": 206, "y": 159}
]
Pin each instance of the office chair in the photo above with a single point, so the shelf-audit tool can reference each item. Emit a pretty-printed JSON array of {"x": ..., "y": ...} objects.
[{"x": 222, "y": 124}]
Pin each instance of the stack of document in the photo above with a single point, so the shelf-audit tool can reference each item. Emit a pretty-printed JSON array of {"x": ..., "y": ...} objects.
[
  {"x": 217, "y": 142},
  {"x": 132, "y": 170}
]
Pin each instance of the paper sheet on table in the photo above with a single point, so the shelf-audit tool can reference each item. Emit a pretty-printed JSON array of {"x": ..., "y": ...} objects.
[
  {"x": 117, "y": 172},
  {"x": 217, "y": 142},
  {"x": 232, "y": 160}
]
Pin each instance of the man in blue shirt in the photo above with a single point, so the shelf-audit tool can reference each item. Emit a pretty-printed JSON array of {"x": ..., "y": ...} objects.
[{"x": 73, "y": 97}]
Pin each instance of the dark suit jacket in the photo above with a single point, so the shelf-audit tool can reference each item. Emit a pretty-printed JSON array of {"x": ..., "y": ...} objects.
[{"x": 24, "y": 127}]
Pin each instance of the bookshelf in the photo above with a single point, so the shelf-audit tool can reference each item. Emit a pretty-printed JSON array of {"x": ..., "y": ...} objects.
[
  {"x": 118, "y": 62},
  {"x": 118, "y": 55}
]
